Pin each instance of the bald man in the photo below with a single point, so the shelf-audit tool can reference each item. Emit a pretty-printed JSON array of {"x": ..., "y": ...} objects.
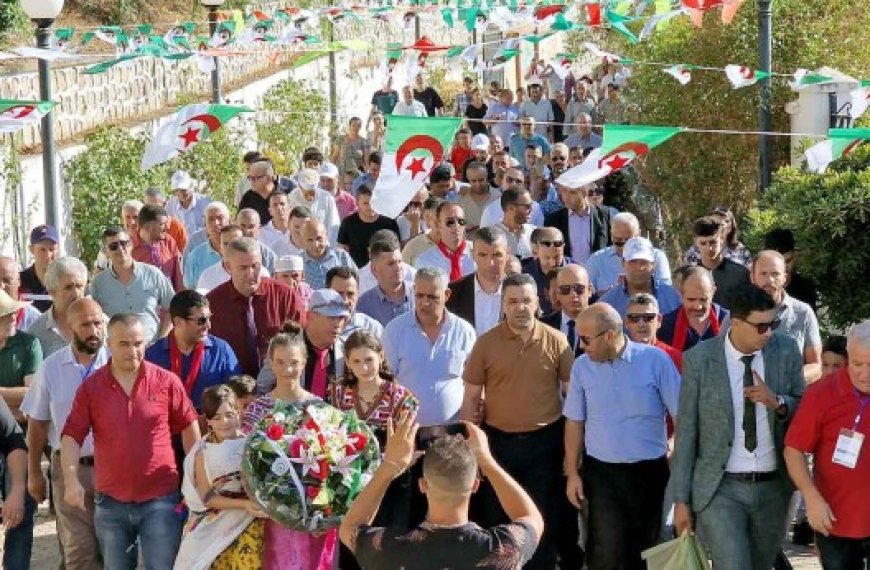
[
  {"x": 249, "y": 220},
  {"x": 620, "y": 434},
  {"x": 794, "y": 318},
  {"x": 573, "y": 291},
  {"x": 698, "y": 318},
  {"x": 319, "y": 256}
]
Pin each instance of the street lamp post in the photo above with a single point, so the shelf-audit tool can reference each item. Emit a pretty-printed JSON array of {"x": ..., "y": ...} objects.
[
  {"x": 43, "y": 13},
  {"x": 212, "y": 6},
  {"x": 765, "y": 121}
]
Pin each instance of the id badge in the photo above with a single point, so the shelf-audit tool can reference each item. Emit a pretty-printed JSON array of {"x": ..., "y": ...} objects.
[{"x": 848, "y": 448}]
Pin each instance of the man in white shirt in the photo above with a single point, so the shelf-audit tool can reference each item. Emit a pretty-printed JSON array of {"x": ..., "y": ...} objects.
[
  {"x": 452, "y": 252},
  {"x": 493, "y": 214},
  {"x": 477, "y": 297},
  {"x": 409, "y": 106},
  {"x": 217, "y": 273},
  {"x": 517, "y": 206},
  {"x": 276, "y": 234},
  {"x": 318, "y": 201},
  {"x": 186, "y": 205},
  {"x": 540, "y": 109}
]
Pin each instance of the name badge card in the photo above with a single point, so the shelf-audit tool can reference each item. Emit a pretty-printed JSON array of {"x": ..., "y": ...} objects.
[{"x": 848, "y": 448}]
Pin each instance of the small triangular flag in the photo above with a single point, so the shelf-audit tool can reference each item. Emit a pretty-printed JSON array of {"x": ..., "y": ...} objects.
[
  {"x": 742, "y": 76},
  {"x": 679, "y": 72}
]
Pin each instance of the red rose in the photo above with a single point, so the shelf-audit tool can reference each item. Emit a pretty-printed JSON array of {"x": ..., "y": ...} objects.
[
  {"x": 322, "y": 469},
  {"x": 275, "y": 432},
  {"x": 358, "y": 441},
  {"x": 297, "y": 446},
  {"x": 312, "y": 491}
]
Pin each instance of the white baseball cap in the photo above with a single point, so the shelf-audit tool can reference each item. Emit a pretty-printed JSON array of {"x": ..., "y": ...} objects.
[
  {"x": 480, "y": 142},
  {"x": 309, "y": 179},
  {"x": 181, "y": 180},
  {"x": 329, "y": 170},
  {"x": 639, "y": 248}
]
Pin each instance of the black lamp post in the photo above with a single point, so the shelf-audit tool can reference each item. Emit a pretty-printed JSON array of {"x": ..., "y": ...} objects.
[
  {"x": 765, "y": 119},
  {"x": 212, "y": 6}
]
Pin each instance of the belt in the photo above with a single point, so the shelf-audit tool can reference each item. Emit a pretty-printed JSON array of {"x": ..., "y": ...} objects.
[{"x": 752, "y": 476}]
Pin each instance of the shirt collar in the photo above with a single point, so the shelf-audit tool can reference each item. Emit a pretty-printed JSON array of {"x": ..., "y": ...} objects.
[
  {"x": 628, "y": 350},
  {"x": 731, "y": 353},
  {"x": 69, "y": 358},
  {"x": 479, "y": 289},
  {"x": 135, "y": 270},
  {"x": 383, "y": 297}
]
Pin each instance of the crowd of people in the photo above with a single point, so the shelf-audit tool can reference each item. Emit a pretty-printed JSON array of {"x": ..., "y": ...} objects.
[{"x": 577, "y": 399}]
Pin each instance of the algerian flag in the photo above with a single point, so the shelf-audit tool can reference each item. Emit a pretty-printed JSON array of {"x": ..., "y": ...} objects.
[
  {"x": 802, "y": 78},
  {"x": 192, "y": 125},
  {"x": 15, "y": 114},
  {"x": 679, "y": 72},
  {"x": 621, "y": 145},
  {"x": 840, "y": 143},
  {"x": 562, "y": 64},
  {"x": 860, "y": 101},
  {"x": 414, "y": 145},
  {"x": 741, "y": 76}
]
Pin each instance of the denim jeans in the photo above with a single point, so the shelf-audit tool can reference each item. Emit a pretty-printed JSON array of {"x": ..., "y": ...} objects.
[
  {"x": 124, "y": 527},
  {"x": 19, "y": 540},
  {"x": 843, "y": 553}
]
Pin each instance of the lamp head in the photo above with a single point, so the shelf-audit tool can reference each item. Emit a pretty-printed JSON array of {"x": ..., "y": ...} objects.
[
  {"x": 40, "y": 10},
  {"x": 212, "y": 3}
]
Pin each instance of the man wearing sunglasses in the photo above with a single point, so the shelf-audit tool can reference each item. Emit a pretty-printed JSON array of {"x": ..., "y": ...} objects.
[
  {"x": 200, "y": 359},
  {"x": 513, "y": 178},
  {"x": 452, "y": 253},
  {"x": 548, "y": 253},
  {"x": 642, "y": 322},
  {"x": 739, "y": 392},
  {"x": 261, "y": 175},
  {"x": 639, "y": 261},
  {"x": 573, "y": 291}
]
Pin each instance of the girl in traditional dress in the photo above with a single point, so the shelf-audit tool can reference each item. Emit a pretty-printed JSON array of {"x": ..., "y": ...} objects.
[
  {"x": 285, "y": 548},
  {"x": 224, "y": 530}
]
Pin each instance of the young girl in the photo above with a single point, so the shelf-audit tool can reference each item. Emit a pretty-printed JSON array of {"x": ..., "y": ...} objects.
[
  {"x": 284, "y": 548},
  {"x": 224, "y": 530}
]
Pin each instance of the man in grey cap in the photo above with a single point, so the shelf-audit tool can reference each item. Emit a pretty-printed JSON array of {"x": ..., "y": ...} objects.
[{"x": 319, "y": 201}]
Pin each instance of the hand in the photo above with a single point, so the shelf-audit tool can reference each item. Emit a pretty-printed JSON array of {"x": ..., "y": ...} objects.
[
  {"x": 819, "y": 514},
  {"x": 13, "y": 507},
  {"x": 400, "y": 439},
  {"x": 74, "y": 493},
  {"x": 479, "y": 445},
  {"x": 36, "y": 485},
  {"x": 255, "y": 510},
  {"x": 682, "y": 518},
  {"x": 761, "y": 393},
  {"x": 413, "y": 214},
  {"x": 574, "y": 490}
]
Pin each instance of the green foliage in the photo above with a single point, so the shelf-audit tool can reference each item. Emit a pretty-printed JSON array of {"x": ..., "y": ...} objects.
[
  {"x": 13, "y": 20},
  {"x": 10, "y": 182},
  {"x": 830, "y": 215},
  {"x": 691, "y": 172},
  {"x": 294, "y": 117}
]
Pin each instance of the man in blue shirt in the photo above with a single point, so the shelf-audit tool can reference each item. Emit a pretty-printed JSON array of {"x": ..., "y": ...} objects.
[
  {"x": 527, "y": 136},
  {"x": 198, "y": 358},
  {"x": 639, "y": 261},
  {"x": 619, "y": 394}
]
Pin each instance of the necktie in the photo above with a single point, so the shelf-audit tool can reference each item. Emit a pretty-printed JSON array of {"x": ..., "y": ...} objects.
[
  {"x": 251, "y": 330},
  {"x": 320, "y": 374},
  {"x": 750, "y": 437},
  {"x": 572, "y": 336}
]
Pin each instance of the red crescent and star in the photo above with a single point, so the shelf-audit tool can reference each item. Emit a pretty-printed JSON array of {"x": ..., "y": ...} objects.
[
  {"x": 418, "y": 142},
  {"x": 622, "y": 155},
  {"x": 192, "y": 135},
  {"x": 18, "y": 111}
]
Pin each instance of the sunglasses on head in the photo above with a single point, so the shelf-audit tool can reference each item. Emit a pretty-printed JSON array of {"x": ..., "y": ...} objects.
[
  {"x": 450, "y": 222},
  {"x": 762, "y": 328},
  {"x": 638, "y": 317},
  {"x": 116, "y": 245},
  {"x": 549, "y": 243},
  {"x": 578, "y": 288},
  {"x": 200, "y": 321}
]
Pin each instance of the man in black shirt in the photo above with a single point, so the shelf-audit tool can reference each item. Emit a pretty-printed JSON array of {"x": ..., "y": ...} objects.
[
  {"x": 262, "y": 178},
  {"x": 427, "y": 95},
  {"x": 357, "y": 229},
  {"x": 728, "y": 275},
  {"x": 796, "y": 285},
  {"x": 44, "y": 248}
]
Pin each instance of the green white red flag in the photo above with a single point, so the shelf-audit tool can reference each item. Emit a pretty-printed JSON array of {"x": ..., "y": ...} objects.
[
  {"x": 840, "y": 143},
  {"x": 192, "y": 125},
  {"x": 741, "y": 76},
  {"x": 621, "y": 146},
  {"x": 15, "y": 114},
  {"x": 413, "y": 147}
]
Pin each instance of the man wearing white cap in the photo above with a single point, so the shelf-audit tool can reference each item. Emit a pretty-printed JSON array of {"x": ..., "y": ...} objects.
[
  {"x": 331, "y": 182},
  {"x": 187, "y": 205},
  {"x": 290, "y": 270},
  {"x": 639, "y": 260},
  {"x": 319, "y": 201}
]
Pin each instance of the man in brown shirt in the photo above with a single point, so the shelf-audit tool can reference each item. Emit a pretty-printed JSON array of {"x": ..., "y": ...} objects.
[{"x": 519, "y": 368}]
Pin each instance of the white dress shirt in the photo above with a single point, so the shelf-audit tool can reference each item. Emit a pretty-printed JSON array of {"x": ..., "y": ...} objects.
[
  {"x": 367, "y": 279},
  {"x": 763, "y": 459},
  {"x": 564, "y": 328},
  {"x": 487, "y": 308},
  {"x": 433, "y": 257}
]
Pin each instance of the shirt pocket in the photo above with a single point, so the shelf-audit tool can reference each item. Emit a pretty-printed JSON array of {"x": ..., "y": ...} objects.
[{"x": 641, "y": 400}]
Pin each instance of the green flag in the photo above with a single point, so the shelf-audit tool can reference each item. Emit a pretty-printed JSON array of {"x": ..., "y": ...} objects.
[
  {"x": 16, "y": 114},
  {"x": 413, "y": 146},
  {"x": 839, "y": 143}
]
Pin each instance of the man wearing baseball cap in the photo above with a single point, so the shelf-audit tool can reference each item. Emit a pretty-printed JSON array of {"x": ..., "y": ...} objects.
[
  {"x": 319, "y": 201},
  {"x": 186, "y": 205},
  {"x": 331, "y": 182},
  {"x": 638, "y": 263},
  {"x": 44, "y": 247}
]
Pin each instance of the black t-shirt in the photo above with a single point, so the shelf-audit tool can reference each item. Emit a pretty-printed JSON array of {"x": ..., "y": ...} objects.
[
  {"x": 31, "y": 285},
  {"x": 469, "y": 546},
  {"x": 728, "y": 277},
  {"x": 476, "y": 127},
  {"x": 430, "y": 99},
  {"x": 559, "y": 119},
  {"x": 355, "y": 234},
  {"x": 803, "y": 289},
  {"x": 385, "y": 101},
  {"x": 251, "y": 199}
]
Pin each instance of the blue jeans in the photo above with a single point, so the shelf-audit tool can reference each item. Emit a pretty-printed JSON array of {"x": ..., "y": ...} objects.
[
  {"x": 839, "y": 553},
  {"x": 19, "y": 540},
  {"x": 123, "y": 527}
]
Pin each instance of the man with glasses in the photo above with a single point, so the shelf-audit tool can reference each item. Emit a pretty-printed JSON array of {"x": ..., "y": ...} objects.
[
  {"x": 548, "y": 254},
  {"x": 480, "y": 194},
  {"x": 493, "y": 214},
  {"x": 129, "y": 286},
  {"x": 605, "y": 266},
  {"x": 615, "y": 442},
  {"x": 572, "y": 287},
  {"x": 739, "y": 392},
  {"x": 261, "y": 175},
  {"x": 586, "y": 227},
  {"x": 642, "y": 322},
  {"x": 638, "y": 262},
  {"x": 452, "y": 253},
  {"x": 527, "y": 136},
  {"x": 200, "y": 359},
  {"x": 517, "y": 206},
  {"x": 698, "y": 318}
]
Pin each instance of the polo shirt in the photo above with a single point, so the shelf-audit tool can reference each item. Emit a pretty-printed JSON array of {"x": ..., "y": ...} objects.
[
  {"x": 605, "y": 268},
  {"x": 669, "y": 298},
  {"x": 165, "y": 256},
  {"x": 200, "y": 258},
  {"x": 19, "y": 357},
  {"x": 133, "y": 457},
  {"x": 522, "y": 380},
  {"x": 518, "y": 143},
  {"x": 273, "y": 304},
  {"x": 45, "y": 329},
  {"x": 148, "y": 292},
  {"x": 51, "y": 394},
  {"x": 316, "y": 269},
  {"x": 32, "y": 289},
  {"x": 623, "y": 403},
  {"x": 667, "y": 331},
  {"x": 193, "y": 217},
  {"x": 798, "y": 320},
  {"x": 827, "y": 406},
  {"x": 379, "y": 307},
  {"x": 218, "y": 363},
  {"x": 432, "y": 371}
]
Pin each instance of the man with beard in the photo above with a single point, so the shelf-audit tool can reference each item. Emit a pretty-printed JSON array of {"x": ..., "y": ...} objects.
[
  {"x": 47, "y": 405},
  {"x": 699, "y": 318},
  {"x": 517, "y": 206}
]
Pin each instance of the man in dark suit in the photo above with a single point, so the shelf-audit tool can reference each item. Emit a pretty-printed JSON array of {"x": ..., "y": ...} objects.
[
  {"x": 573, "y": 289},
  {"x": 585, "y": 226},
  {"x": 739, "y": 391},
  {"x": 477, "y": 297}
]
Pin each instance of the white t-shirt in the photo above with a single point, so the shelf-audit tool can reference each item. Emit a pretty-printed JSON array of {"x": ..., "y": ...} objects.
[{"x": 216, "y": 275}]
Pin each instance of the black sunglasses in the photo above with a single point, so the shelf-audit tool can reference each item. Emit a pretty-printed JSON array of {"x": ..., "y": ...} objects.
[
  {"x": 635, "y": 318},
  {"x": 116, "y": 245},
  {"x": 578, "y": 288},
  {"x": 450, "y": 222},
  {"x": 200, "y": 321},
  {"x": 762, "y": 328},
  {"x": 549, "y": 243},
  {"x": 587, "y": 340}
]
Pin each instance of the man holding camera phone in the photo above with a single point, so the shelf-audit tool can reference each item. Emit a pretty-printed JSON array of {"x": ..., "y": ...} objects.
[{"x": 446, "y": 539}]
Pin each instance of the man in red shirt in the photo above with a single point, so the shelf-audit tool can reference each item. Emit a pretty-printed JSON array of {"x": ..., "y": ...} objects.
[
  {"x": 133, "y": 408},
  {"x": 156, "y": 247},
  {"x": 249, "y": 309},
  {"x": 461, "y": 151},
  {"x": 832, "y": 423}
]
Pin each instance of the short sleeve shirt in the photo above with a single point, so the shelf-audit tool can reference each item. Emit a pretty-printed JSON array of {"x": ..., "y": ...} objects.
[
  {"x": 19, "y": 357},
  {"x": 147, "y": 293},
  {"x": 798, "y": 321},
  {"x": 45, "y": 329}
]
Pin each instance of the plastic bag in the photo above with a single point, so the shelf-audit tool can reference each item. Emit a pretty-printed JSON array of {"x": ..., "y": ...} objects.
[{"x": 683, "y": 553}]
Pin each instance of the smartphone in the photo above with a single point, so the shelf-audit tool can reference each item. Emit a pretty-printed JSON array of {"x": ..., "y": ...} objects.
[{"x": 426, "y": 435}]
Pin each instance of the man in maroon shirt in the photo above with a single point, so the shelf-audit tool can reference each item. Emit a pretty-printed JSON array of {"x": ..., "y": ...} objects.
[
  {"x": 249, "y": 309},
  {"x": 133, "y": 408}
]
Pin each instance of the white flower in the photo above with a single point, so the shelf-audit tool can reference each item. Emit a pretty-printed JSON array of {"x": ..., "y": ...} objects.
[{"x": 279, "y": 417}]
